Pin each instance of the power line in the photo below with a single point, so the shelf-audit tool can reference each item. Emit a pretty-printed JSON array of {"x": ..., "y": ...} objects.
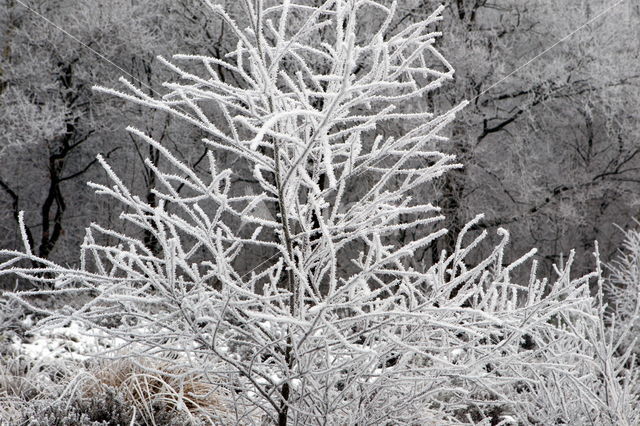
[
  {"x": 521, "y": 67},
  {"x": 100, "y": 55}
]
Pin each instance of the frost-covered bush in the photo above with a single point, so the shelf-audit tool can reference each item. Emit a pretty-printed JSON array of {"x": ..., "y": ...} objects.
[
  {"x": 336, "y": 326},
  {"x": 11, "y": 324},
  {"x": 115, "y": 392},
  {"x": 26, "y": 384},
  {"x": 623, "y": 285},
  {"x": 106, "y": 409}
]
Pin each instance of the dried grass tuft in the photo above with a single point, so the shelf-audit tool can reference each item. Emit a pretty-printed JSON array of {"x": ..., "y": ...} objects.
[{"x": 160, "y": 390}]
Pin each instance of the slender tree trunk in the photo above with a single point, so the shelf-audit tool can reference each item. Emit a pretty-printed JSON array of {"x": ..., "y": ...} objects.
[{"x": 149, "y": 239}]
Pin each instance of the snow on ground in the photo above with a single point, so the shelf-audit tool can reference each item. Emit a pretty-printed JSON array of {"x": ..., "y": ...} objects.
[{"x": 70, "y": 342}]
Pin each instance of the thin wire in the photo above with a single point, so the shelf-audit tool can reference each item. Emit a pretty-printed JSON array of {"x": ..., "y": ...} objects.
[
  {"x": 100, "y": 55},
  {"x": 521, "y": 67},
  {"x": 606, "y": 10}
]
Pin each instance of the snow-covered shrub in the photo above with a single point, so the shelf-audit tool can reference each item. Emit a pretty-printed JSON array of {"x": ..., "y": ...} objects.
[
  {"x": 623, "y": 286},
  {"x": 157, "y": 393},
  {"x": 336, "y": 326},
  {"x": 110, "y": 392},
  {"x": 106, "y": 409},
  {"x": 28, "y": 385},
  {"x": 11, "y": 324}
]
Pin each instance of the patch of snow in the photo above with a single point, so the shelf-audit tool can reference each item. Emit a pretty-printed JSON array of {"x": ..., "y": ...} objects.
[{"x": 71, "y": 342}]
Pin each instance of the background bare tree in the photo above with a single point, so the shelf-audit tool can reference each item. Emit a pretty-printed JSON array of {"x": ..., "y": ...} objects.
[{"x": 551, "y": 150}]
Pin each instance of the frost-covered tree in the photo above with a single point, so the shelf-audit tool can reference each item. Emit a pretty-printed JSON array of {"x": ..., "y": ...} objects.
[
  {"x": 623, "y": 290},
  {"x": 336, "y": 326}
]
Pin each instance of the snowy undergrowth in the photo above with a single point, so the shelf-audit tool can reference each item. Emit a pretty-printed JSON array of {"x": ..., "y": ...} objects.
[
  {"x": 52, "y": 375},
  {"x": 71, "y": 342}
]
